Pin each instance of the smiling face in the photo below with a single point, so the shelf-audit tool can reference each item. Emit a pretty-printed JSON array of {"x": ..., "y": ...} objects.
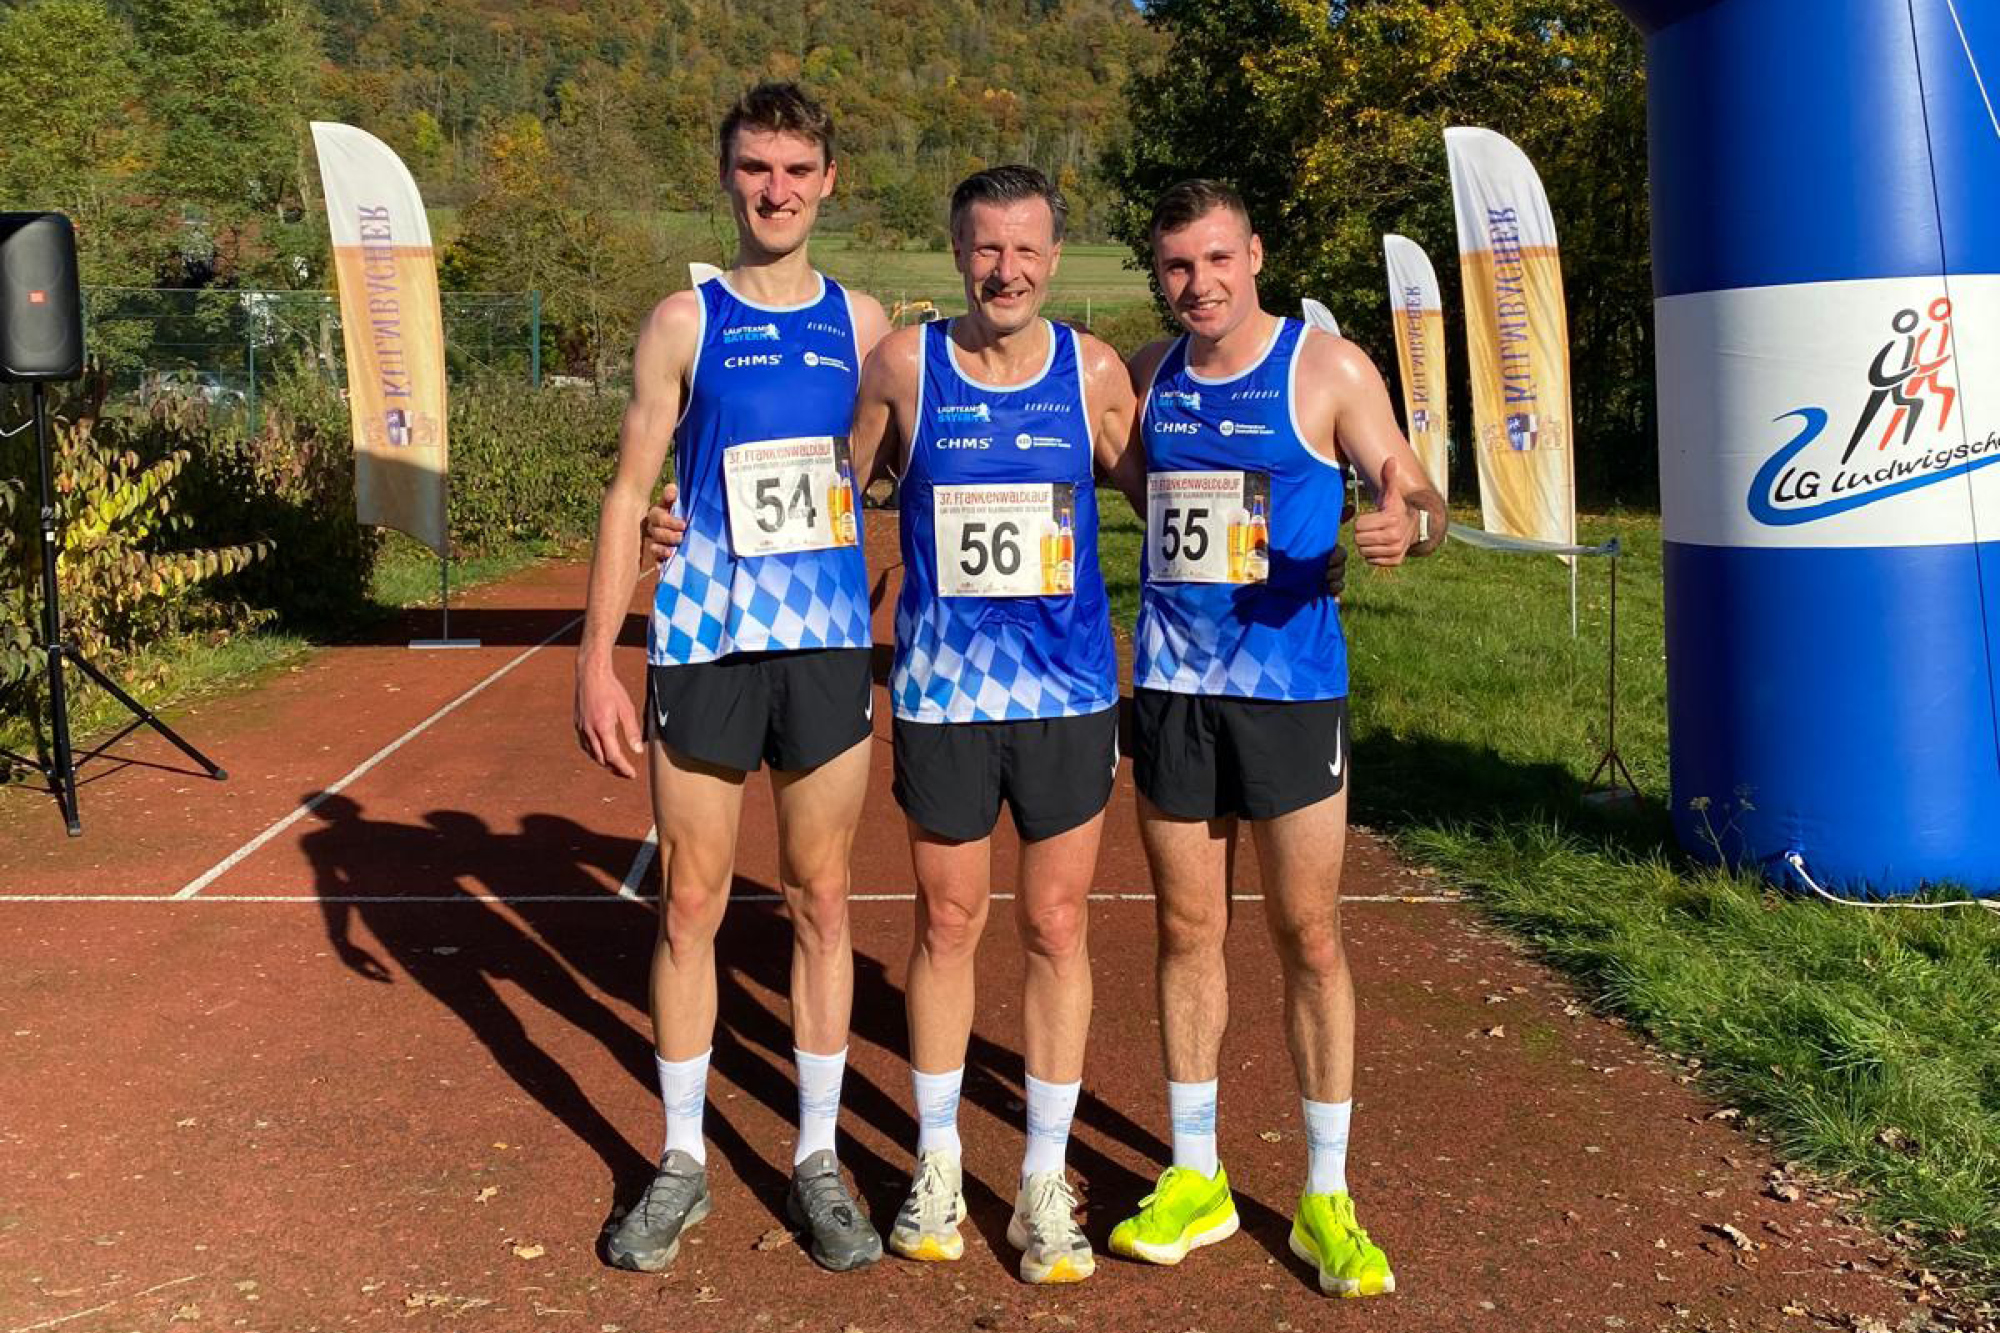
[
  {"x": 775, "y": 181},
  {"x": 1208, "y": 270},
  {"x": 1006, "y": 253}
]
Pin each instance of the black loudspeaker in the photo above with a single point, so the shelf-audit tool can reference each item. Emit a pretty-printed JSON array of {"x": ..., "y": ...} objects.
[{"x": 41, "y": 309}]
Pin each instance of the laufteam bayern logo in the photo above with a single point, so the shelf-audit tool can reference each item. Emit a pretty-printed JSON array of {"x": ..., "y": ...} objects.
[{"x": 1900, "y": 440}]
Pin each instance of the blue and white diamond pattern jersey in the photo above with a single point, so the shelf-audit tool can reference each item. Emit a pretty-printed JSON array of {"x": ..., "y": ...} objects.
[
  {"x": 1281, "y": 639},
  {"x": 762, "y": 373},
  {"x": 966, "y": 658}
]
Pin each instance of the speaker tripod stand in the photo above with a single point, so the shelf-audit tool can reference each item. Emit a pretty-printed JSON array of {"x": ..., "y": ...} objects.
[{"x": 60, "y": 768}]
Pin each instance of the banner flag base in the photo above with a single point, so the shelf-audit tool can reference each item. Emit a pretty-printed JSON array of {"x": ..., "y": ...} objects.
[{"x": 444, "y": 639}]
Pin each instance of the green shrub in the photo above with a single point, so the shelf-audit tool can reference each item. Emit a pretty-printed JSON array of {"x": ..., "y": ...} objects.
[
  {"x": 528, "y": 465},
  {"x": 123, "y": 576}
]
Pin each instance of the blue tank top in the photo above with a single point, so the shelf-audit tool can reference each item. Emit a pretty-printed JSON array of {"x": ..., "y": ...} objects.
[
  {"x": 771, "y": 386},
  {"x": 1278, "y": 639},
  {"x": 1002, "y": 615}
]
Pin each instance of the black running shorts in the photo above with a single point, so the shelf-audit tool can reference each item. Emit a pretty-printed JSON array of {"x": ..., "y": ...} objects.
[
  {"x": 791, "y": 710},
  {"x": 1054, "y": 773},
  {"x": 1198, "y": 756}
]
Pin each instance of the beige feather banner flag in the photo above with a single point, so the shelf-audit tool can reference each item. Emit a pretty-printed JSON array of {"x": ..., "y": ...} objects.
[
  {"x": 1517, "y": 335},
  {"x": 1418, "y": 310},
  {"x": 393, "y": 330}
]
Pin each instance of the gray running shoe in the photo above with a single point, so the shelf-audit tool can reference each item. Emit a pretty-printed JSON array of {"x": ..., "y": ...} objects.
[
  {"x": 819, "y": 1203},
  {"x": 650, "y": 1235}
]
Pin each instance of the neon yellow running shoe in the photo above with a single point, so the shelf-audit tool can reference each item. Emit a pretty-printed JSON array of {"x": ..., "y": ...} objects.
[
  {"x": 1325, "y": 1235},
  {"x": 1185, "y": 1211}
]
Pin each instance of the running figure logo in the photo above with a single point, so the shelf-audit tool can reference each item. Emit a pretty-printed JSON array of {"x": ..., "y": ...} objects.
[{"x": 1919, "y": 356}]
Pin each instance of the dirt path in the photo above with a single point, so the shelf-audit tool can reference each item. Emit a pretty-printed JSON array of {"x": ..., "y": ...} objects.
[{"x": 384, "y": 1062}]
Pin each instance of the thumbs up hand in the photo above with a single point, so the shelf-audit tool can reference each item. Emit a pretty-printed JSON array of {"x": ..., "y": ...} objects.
[{"x": 1384, "y": 536}]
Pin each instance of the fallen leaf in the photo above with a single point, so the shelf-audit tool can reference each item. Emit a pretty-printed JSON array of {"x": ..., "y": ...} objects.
[
  {"x": 1497, "y": 1030},
  {"x": 1795, "y": 1311},
  {"x": 1866, "y": 1323},
  {"x": 707, "y": 1296},
  {"x": 186, "y": 1314},
  {"x": 486, "y": 1194},
  {"x": 1736, "y": 1236},
  {"x": 529, "y": 1251},
  {"x": 1726, "y": 1113},
  {"x": 184, "y": 1124},
  {"x": 777, "y": 1238},
  {"x": 1895, "y": 1140},
  {"x": 1271, "y": 1136},
  {"x": 1786, "y": 1191},
  {"x": 1714, "y": 1193}
]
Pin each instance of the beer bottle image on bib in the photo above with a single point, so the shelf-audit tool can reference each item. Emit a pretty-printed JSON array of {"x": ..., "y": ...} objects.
[
  {"x": 1257, "y": 557},
  {"x": 840, "y": 497}
]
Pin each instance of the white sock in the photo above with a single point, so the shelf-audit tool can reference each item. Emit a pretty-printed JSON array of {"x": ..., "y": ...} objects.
[
  {"x": 937, "y": 1109},
  {"x": 1326, "y": 1140},
  {"x": 819, "y": 1100},
  {"x": 684, "y": 1092},
  {"x": 1051, "y": 1106},
  {"x": 1191, "y": 1107}
]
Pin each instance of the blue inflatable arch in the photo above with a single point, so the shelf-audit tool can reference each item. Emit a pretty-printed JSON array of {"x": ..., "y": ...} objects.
[{"x": 1826, "y": 260}]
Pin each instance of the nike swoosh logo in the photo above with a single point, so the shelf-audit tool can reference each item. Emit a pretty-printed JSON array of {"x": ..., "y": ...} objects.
[
  {"x": 1339, "y": 755},
  {"x": 868, "y": 709}
]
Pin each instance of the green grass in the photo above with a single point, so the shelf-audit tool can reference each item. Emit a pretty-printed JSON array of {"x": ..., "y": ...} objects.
[
  {"x": 1477, "y": 722},
  {"x": 1092, "y": 278}
]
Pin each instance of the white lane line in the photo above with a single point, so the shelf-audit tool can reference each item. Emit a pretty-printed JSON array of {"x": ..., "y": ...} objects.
[
  {"x": 629, "y": 887},
  {"x": 228, "y": 863},
  {"x": 487, "y": 898}
]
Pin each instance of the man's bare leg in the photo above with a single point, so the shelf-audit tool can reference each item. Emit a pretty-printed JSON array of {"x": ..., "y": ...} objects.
[
  {"x": 1051, "y": 910},
  {"x": 696, "y": 807},
  {"x": 954, "y": 886},
  {"x": 1301, "y": 855},
  {"x": 1192, "y": 863},
  {"x": 818, "y": 810}
]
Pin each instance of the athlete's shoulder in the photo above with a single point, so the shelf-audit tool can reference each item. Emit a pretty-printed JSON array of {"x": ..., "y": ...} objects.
[
  {"x": 1097, "y": 357},
  {"x": 673, "y": 328},
  {"x": 871, "y": 322},
  {"x": 1333, "y": 360},
  {"x": 1146, "y": 361},
  {"x": 895, "y": 361}
]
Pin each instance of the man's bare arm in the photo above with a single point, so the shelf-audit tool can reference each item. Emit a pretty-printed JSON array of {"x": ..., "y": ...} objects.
[
  {"x": 885, "y": 405},
  {"x": 606, "y": 724},
  {"x": 1347, "y": 406},
  {"x": 1107, "y": 393}
]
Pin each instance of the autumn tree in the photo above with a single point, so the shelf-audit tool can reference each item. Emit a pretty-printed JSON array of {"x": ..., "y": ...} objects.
[{"x": 1331, "y": 123}]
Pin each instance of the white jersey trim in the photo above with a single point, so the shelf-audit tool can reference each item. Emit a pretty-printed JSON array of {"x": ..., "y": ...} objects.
[
  {"x": 1277, "y": 331},
  {"x": 815, "y": 299},
  {"x": 1292, "y": 404},
  {"x": 1048, "y": 363}
]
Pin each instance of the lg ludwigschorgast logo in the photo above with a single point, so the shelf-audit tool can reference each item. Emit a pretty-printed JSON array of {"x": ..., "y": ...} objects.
[{"x": 1908, "y": 433}]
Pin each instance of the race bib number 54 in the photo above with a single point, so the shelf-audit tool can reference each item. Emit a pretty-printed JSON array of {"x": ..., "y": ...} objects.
[
  {"x": 1005, "y": 541},
  {"x": 789, "y": 495},
  {"x": 1208, "y": 527}
]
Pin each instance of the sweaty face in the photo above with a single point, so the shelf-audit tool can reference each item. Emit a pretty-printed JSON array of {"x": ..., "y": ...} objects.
[
  {"x": 1208, "y": 270},
  {"x": 775, "y": 182},
  {"x": 1006, "y": 254}
]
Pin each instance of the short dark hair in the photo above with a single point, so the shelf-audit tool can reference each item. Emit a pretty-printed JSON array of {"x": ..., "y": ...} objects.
[
  {"x": 1008, "y": 185},
  {"x": 777, "y": 108},
  {"x": 1192, "y": 199}
]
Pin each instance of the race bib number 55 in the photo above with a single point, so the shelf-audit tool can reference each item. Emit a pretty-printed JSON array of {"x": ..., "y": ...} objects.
[
  {"x": 1208, "y": 527},
  {"x": 1005, "y": 541},
  {"x": 789, "y": 495}
]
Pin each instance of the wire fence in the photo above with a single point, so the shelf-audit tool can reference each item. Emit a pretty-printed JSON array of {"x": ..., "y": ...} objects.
[{"x": 223, "y": 346}]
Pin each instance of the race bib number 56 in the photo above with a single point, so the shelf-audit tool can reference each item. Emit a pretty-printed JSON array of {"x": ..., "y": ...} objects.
[
  {"x": 1208, "y": 527},
  {"x": 789, "y": 495},
  {"x": 1005, "y": 541}
]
